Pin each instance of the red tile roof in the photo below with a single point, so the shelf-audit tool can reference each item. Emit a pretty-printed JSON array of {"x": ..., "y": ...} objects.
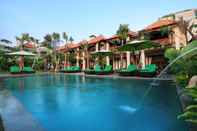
[
  {"x": 96, "y": 39},
  {"x": 131, "y": 34},
  {"x": 68, "y": 46},
  {"x": 159, "y": 24}
]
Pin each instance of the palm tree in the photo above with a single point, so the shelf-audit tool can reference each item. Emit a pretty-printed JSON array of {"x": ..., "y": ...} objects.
[
  {"x": 24, "y": 37},
  {"x": 71, "y": 39},
  {"x": 186, "y": 27},
  {"x": 122, "y": 32},
  {"x": 65, "y": 37},
  {"x": 56, "y": 36},
  {"x": 47, "y": 41},
  {"x": 84, "y": 48}
]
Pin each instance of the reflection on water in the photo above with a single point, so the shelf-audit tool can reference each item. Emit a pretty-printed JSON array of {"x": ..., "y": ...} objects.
[{"x": 128, "y": 108}]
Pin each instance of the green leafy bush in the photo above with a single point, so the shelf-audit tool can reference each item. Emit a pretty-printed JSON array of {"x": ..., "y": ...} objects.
[
  {"x": 190, "y": 112},
  {"x": 185, "y": 67}
]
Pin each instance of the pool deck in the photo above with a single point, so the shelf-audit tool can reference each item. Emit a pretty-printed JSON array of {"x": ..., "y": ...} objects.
[{"x": 17, "y": 118}]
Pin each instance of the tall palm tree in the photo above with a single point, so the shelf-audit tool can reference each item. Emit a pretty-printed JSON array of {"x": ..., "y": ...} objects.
[
  {"x": 71, "y": 39},
  {"x": 186, "y": 27},
  {"x": 24, "y": 37},
  {"x": 65, "y": 36},
  {"x": 56, "y": 36},
  {"x": 84, "y": 48},
  {"x": 47, "y": 41},
  {"x": 122, "y": 32}
]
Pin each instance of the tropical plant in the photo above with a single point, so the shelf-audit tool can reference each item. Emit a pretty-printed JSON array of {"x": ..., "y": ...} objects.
[
  {"x": 84, "y": 49},
  {"x": 185, "y": 67},
  {"x": 56, "y": 36},
  {"x": 47, "y": 41},
  {"x": 122, "y": 32},
  {"x": 186, "y": 27},
  {"x": 71, "y": 58},
  {"x": 65, "y": 36},
  {"x": 5, "y": 61},
  {"x": 71, "y": 39},
  {"x": 190, "y": 112}
]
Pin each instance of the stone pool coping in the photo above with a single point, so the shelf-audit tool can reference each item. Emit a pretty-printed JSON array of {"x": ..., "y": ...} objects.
[
  {"x": 14, "y": 115},
  {"x": 169, "y": 78}
]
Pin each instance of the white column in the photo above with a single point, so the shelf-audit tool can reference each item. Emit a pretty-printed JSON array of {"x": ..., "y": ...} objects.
[
  {"x": 142, "y": 59},
  {"x": 107, "y": 46},
  {"x": 107, "y": 60},
  {"x": 97, "y": 47},
  {"x": 77, "y": 57},
  {"x": 84, "y": 61},
  {"x": 128, "y": 58}
]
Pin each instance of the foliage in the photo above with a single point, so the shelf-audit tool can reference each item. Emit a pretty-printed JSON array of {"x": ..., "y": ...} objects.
[
  {"x": 71, "y": 39},
  {"x": 6, "y": 62},
  {"x": 39, "y": 64},
  {"x": 71, "y": 58},
  {"x": 122, "y": 32},
  {"x": 185, "y": 67},
  {"x": 190, "y": 112},
  {"x": 186, "y": 27},
  {"x": 56, "y": 36},
  {"x": 171, "y": 54},
  {"x": 65, "y": 36}
]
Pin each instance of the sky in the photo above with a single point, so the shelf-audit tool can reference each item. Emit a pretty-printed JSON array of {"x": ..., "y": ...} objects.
[{"x": 81, "y": 18}]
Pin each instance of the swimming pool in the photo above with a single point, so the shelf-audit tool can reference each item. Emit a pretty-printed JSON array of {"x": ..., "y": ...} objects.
[{"x": 78, "y": 103}]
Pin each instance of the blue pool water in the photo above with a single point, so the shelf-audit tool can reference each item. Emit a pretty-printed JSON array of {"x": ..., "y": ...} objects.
[{"x": 77, "y": 103}]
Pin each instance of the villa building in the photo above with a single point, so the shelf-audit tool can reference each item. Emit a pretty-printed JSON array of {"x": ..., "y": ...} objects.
[
  {"x": 166, "y": 31},
  {"x": 84, "y": 49},
  {"x": 189, "y": 16}
]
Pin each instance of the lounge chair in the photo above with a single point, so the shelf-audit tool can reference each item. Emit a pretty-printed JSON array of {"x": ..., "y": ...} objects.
[
  {"x": 150, "y": 70},
  {"x": 108, "y": 70},
  {"x": 71, "y": 69},
  {"x": 130, "y": 71},
  {"x": 28, "y": 69},
  {"x": 93, "y": 71},
  {"x": 15, "y": 70}
]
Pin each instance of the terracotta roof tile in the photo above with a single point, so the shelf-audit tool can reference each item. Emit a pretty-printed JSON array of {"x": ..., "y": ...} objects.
[
  {"x": 131, "y": 34},
  {"x": 96, "y": 39},
  {"x": 159, "y": 24}
]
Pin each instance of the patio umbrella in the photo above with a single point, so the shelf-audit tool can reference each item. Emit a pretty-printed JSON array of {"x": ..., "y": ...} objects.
[
  {"x": 139, "y": 45},
  {"x": 103, "y": 53},
  {"x": 21, "y": 53}
]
